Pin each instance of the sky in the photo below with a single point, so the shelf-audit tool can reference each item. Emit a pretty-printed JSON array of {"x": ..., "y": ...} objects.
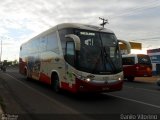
[{"x": 131, "y": 20}]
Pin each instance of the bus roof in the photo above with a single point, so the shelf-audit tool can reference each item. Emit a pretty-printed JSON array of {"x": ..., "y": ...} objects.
[
  {"x": 72, "y": 25},
  {"x": 83, "y": 26}
]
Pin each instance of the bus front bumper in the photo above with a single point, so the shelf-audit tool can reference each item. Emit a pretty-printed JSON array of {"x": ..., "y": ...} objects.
[{"x": 97, "y": 86}]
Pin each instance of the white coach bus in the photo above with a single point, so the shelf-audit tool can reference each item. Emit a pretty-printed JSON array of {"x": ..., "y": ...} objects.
[{"x": 74, "y": 57}]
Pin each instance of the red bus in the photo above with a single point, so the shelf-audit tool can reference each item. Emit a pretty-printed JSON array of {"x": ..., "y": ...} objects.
[
  {"x": 136, "y": 65},
  {"x": 74, "y": 57}
]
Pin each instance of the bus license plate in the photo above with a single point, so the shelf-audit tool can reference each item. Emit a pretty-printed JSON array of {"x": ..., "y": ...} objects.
[{"x": 105, "y": 78}]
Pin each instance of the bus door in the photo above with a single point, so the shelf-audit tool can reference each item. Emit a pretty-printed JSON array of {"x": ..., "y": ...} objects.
[{"x": 70, "y": 58}]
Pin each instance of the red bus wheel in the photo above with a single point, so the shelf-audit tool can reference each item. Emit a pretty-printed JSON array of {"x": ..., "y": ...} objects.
[{"x": 55, "y": 83}]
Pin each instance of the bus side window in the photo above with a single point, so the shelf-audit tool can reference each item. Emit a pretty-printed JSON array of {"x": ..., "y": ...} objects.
[
  {"x": 70, "y": 53},
  {"x": 52, "y": 44},
  {"x": 128, "y": 61}
]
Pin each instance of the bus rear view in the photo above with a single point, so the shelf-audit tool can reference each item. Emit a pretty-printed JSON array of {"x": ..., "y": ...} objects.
[{"x": 136, "y": 65}]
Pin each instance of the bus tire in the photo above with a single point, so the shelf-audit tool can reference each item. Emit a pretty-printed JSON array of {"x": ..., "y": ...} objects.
[
  {"x": 130, "y": 78},
  {"x": 25, "y": 72},
  {"x": 55, "y": 82}
]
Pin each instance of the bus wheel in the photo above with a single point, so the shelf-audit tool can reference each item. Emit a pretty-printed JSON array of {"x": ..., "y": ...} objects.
[
  {"x": 55, "y": 83},
  {"x": 25, "y": 73},
  {"x": 130, "y": 78}
]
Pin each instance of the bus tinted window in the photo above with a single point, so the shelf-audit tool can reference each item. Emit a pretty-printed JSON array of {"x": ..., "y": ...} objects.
[
  {"x": 128, "y": 61},
  {"x": 35, "y": 46},
  {"x": 52, "y": 44},
  {"x": 43, "y": 44}
]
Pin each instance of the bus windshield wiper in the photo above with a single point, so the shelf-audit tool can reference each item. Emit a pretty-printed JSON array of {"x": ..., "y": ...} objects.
[
  {"x": 108, "y": 59},
  {"x": 104, "y": 57},
  {"x": 97, "y": 61}
]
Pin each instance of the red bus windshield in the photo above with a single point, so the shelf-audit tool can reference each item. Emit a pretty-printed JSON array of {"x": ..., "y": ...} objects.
[{"x": 144, "y": 59}]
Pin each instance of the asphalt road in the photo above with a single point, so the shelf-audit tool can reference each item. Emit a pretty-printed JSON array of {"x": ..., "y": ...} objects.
[{"x": 32, "y": 100}]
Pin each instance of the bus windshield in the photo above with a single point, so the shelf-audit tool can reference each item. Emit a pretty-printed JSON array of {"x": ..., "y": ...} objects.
[{"x": 99, "y": 53}]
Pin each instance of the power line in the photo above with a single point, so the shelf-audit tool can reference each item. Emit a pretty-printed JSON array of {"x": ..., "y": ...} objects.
[{"x": 133, "y": 11}]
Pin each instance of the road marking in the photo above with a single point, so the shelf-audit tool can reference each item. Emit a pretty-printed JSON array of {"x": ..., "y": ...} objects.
[
  {"x": 132, "y": 100},
  {"x": 143, "y": 89},
  {"x": 76, "y": 112}
]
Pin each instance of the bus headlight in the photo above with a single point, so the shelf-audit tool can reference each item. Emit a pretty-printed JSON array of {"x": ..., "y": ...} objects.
[
  {"x": 88, "y": 79},
  {"x": 119, "y": 78},
  {"x": 83, "y": 78}
]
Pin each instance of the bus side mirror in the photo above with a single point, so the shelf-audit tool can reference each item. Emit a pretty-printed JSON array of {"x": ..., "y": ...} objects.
[
  {"x": 127, "y": 44},
  {"x": 76, "y": 40}
]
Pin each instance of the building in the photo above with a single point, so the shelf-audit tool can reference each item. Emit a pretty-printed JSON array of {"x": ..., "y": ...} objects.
[
  {"x": 155, "y": 59},
  {"x": 134, "y": 45}
]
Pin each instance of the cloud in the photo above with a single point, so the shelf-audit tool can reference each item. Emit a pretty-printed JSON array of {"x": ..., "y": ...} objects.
[{"x": 130, "y": 20}]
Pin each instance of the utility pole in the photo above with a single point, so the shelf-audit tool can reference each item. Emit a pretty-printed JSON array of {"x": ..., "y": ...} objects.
[{"x": 104, "y": 21}]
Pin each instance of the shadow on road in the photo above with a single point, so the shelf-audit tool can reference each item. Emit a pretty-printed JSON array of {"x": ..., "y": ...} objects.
[{"x": 74, "y": 96}]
